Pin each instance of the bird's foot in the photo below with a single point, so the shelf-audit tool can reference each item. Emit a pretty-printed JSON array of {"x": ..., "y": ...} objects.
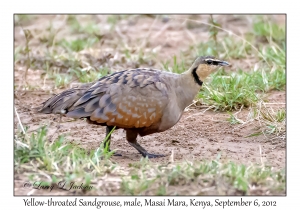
[
  {"x": 152, "y": 155},
  {"x": 143, "y": 151},
  {"x": 115, "y": 153}
]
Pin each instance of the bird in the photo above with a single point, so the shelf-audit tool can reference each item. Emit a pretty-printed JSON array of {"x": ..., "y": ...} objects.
[{"x": 141, "y": 101}]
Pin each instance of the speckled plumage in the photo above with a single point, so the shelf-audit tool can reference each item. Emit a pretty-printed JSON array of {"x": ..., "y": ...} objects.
[{"x": 141, "y": 101}]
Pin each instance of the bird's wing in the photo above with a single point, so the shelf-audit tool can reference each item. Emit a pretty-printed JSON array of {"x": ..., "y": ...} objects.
[{"x": 128, "y": 99}]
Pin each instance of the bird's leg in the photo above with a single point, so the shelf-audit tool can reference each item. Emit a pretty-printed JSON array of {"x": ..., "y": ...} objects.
[
  {"x": 107, "y": 140},
  {"x": 131, "y": 136}
]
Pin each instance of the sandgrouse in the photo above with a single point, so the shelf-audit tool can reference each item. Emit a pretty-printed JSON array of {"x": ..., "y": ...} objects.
[{"x": 141, "y": 101}]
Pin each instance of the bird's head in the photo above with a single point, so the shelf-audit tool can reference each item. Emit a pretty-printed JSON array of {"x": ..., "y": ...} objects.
[{"x": 204, "y": 66}]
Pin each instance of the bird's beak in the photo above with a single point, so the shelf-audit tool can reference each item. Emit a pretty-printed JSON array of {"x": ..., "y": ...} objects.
[{"x": 224, "y": 63}]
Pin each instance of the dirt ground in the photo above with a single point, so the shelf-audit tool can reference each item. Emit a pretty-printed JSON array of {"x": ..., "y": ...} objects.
[{"x": 200, "y": 134}]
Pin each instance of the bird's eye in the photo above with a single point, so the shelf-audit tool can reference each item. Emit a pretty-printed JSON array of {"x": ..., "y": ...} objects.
[{"x": 209, "y": 62}]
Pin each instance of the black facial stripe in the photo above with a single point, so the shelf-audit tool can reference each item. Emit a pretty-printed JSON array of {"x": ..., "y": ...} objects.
[
  {"x": 215, "y": 63},
  {"x": 212, "y": 62},
  {"x": 196, "y": 78}
]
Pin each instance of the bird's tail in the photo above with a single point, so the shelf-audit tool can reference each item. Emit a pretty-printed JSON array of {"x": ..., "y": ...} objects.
[{"x": 60, "y": 103}]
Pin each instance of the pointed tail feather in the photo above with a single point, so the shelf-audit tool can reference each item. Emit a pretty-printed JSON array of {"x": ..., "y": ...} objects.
[{"x": 60, "y": 103}]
